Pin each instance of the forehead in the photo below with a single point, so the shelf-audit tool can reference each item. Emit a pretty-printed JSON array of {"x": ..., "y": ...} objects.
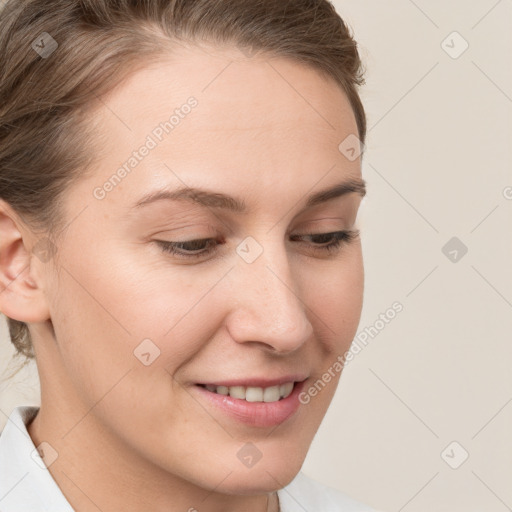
[
  {"x": 255, "y": 120},
  {"x": 235, "y": 93}
]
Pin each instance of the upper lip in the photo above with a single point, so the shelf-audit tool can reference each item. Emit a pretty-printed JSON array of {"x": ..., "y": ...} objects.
[{"x": 256, "y": 382}]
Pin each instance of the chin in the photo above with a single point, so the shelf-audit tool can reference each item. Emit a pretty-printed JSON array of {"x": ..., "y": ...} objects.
[
  {"x": 264, "y": 476},
  {"x": 257, "y": 482}
]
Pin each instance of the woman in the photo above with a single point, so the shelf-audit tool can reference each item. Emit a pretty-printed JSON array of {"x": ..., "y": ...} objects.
[{"x": 180, "y": 182}]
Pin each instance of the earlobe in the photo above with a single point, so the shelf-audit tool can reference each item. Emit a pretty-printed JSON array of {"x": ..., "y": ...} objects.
[{"x": 21, "y": 295}]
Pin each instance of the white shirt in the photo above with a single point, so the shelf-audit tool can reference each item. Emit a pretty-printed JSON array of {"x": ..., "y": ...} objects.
[{"x": 26, "y": 485}]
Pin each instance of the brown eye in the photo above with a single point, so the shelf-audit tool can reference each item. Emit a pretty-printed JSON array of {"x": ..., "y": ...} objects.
[
  {"x": 331, "y": 242},
  {"x": 189, "y": 248},
  {"x": 326, "y": 242}
]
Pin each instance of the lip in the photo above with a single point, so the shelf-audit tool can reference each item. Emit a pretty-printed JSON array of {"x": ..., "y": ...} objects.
[
  {"x": 254, "y": 414},
  {"x": 256, "y": 382}
]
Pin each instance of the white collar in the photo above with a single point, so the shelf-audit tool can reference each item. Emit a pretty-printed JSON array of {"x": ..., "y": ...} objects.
[{"x": 27, "y": 485}]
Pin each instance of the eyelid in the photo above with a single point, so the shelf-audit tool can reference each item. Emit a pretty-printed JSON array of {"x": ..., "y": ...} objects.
[
  {"x": 339, "y": 239},
  {"x": 197, "y": 230}
]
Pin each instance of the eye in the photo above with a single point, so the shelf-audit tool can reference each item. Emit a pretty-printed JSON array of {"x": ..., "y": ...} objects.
[
  {"x": 322, "y": 242},
  {"x": 331, "y": 242},
  {"x": 189, "y": 249}
]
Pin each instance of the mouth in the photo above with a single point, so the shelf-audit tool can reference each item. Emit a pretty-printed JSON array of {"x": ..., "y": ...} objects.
[
  {"x": 253, "y": 393},
  {"x": 257, "y": 403}
]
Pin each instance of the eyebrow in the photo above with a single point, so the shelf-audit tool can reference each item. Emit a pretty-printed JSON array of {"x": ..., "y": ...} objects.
[{"x": 213, "y": 199}]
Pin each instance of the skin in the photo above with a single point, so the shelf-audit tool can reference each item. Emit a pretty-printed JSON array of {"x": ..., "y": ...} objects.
[{"x": 134, "y": 437}]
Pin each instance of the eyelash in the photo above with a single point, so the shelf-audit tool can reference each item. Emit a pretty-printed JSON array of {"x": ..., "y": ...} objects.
[{"x": 341, "y": 238}]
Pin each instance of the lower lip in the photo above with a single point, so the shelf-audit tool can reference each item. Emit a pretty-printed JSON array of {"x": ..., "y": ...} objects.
[{"x": 256, "y": 414}]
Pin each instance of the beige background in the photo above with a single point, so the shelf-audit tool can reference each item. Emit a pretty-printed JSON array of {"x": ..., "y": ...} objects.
[{"x": 437, "y": 164}]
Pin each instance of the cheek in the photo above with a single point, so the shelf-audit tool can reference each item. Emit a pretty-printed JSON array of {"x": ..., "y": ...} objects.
[
  {"x": 335, "y": 298},
  {"x": 102, "y": 312},
  {"x": 102, "y": 315}
]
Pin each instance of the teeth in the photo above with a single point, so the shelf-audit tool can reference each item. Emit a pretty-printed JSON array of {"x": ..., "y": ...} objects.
[
  {"x": 237, "y": 392},
  {"x": 285, "y": 389},
  {"x": 222, "y": 390},
  {"x": 254, "y": 394},
  {"x": 271, "y": 394}
]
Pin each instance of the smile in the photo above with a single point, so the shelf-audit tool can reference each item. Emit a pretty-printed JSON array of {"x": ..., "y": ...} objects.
[
  {"x": 259, "y": 403},
  {"x": 254, "y": 394}
]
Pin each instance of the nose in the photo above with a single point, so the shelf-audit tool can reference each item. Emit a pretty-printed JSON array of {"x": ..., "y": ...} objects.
[{"x": 269, "y": 305}]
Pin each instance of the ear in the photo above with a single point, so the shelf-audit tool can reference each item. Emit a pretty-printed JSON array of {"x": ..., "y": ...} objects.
[{"x": 21, "y": 294}]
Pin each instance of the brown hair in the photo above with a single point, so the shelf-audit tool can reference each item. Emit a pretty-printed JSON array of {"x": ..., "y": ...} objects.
[{"x": 45, "y": 142}]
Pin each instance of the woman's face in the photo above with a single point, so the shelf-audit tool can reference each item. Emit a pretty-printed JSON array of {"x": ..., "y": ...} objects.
[{"x": 141, "y": 332}]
